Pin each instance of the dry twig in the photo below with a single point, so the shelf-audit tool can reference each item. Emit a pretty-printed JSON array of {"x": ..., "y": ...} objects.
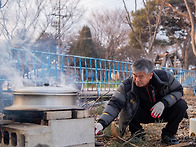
[{"x": 119, "y": 139}]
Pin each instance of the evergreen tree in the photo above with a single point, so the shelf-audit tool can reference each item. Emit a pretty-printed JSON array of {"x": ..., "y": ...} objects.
[
  {"x": 174, "y": 24},
  {"x": 84, "y": 45}
]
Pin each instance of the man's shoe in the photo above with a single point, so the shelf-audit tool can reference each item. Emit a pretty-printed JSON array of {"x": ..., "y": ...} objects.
[{"x": 169, "y": 139}]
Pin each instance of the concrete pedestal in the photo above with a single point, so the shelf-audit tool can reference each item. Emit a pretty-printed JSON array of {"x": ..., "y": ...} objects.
[
  {"x": 72, "y": 132},
  {"x": 61, "y": 129}
]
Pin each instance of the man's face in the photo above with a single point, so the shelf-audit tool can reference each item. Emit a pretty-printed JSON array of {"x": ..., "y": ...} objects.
[{"x": 141, "y": 78}]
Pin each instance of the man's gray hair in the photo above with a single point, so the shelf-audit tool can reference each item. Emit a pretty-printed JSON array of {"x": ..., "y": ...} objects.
[{"x": 143, "y": 64}]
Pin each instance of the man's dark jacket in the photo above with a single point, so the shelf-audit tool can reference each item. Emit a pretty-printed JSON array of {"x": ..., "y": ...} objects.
[{"x": 126, "y": 102}]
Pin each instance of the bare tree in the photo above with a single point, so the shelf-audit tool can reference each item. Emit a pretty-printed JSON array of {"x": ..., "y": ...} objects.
[
  {"x": 189, "y": 16},
  {"x": 19, "y": 19},
  {"x": 152, "y": 28},
  {"x": 23, "y": 20},
  {"x": 193, "y": 27},
  {"x": 65, "y": 15},
  {"x": 109, "y": 31}
]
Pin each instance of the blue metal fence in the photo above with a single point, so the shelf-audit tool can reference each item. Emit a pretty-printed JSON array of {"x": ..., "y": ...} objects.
[{"x": 37, "y": 68}]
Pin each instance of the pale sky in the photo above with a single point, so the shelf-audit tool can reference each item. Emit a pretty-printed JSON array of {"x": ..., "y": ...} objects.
[
  {"x": 109, "y": 4},
  {"x": 99, "y": 5}
]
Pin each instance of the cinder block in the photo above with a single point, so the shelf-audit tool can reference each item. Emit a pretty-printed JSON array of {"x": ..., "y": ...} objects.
[
  {"x": 49, "y": 115},
  {"x": 70, "y": 132},
  {"x": 25, "y": 135},
  {"x": 82, "y": 113}
]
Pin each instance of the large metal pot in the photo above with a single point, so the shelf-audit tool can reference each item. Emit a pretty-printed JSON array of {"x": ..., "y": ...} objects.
[{"x": 43, "y": 97}]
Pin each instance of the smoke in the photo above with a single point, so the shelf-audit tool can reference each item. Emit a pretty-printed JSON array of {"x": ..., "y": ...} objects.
[
  {"x": 25, "y": 68},
  {"x": 8, "y": 72}
]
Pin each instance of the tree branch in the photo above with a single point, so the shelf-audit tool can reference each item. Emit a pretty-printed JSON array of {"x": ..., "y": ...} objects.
[
  {"x": 148, "y": 19},
  {"x": 193, "y": 31},
  {"x": 157, "y": 25},
  {"x": 175, "y": 10},
  {"x": 128, "y": 18}
]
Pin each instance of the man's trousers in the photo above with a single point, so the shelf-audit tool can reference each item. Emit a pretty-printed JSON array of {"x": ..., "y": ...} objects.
[{"x": 172, "y": 115}]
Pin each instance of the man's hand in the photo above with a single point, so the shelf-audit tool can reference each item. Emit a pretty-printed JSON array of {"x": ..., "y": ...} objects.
[
  {"x": 98, "y": 128},
  {"x": 157, "y": 110}
]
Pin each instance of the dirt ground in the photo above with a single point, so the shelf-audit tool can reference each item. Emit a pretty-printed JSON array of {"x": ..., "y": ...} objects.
[{"x": 153, "y": 131}]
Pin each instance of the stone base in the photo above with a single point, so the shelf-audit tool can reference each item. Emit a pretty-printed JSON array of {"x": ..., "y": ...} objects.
[
  {"x": 71, "y": 128},
  {"x": 73, "y": 132},
  {"x": 25, "y": 135},
  {"x": 58, "y": 133}
]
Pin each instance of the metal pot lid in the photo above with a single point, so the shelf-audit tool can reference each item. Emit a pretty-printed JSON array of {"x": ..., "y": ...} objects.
[{"x": 45, "y": 90}]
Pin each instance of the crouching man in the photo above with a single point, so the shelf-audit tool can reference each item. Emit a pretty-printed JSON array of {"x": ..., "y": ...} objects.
[{"x": 148, "y": 96}]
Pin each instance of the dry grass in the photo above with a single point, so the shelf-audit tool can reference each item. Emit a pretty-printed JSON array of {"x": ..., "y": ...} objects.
[{"x": 153, "y": 130}]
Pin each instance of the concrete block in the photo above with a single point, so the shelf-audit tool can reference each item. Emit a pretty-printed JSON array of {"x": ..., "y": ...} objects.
[
  {"x": 70, "y": 132},
  {"x": 25, "y": 135},
  {"x": 82, "y": 113},
  {"x": 49, "y": 115}
]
